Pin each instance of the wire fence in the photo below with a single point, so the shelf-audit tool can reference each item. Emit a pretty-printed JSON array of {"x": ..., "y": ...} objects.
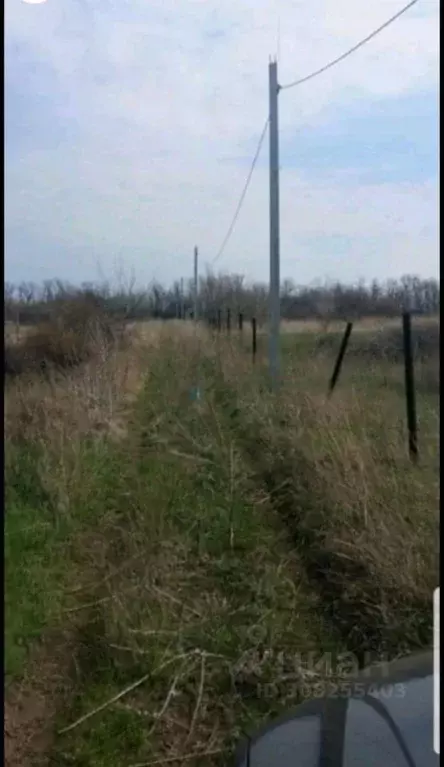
[{"x": 402, "y": 348}]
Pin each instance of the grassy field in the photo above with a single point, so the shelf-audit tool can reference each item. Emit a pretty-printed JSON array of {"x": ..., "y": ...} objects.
[{"x": 180, "y": 570}]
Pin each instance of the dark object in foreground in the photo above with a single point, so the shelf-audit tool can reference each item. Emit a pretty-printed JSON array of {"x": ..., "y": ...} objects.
[
  {"x": 410, "y": 386},
  {"x": 383, "y": 716},
  {"x": 254, "y": 338},
  {"x": 342, "y": 350}
]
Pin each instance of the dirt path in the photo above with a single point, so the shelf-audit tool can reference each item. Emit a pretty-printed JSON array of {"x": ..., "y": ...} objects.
[{"x": 31, "y": 706}]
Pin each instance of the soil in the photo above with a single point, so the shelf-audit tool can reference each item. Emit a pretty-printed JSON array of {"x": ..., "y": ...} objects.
[{"x": 31, "y": 706}]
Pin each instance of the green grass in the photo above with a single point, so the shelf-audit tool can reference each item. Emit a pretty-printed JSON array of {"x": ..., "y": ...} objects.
[
  {"x": 184, "y": 572},
  {"x": 364, "y": 517},
  {"x": 226, "y": 589},
  {"x": 190, "y": 554},
  {"x": 34, "y": 562},
  {"x": 370, "y": 378}
]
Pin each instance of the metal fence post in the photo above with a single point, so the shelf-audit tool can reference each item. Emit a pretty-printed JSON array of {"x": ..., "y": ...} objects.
[
  {"x": 342, "y": 350},
  {"x": 410, "y": 386}
]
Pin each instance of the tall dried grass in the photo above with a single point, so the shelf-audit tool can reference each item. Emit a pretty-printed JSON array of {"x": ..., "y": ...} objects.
[
  {"x": 364, "y": 519},
  {"x": 218, "y": 529}
]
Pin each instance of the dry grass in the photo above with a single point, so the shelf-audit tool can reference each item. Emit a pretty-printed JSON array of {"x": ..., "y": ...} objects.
[
  {"x": 90, "y": 398},
  {"x": 199, "y": 550},
  {"x": 145, "y": 548},
  {"x": 76, "y": 333},
  {"x": 14, "y": 333},
  {"x": 363, "y": 325},
  {"x": 367, "y": 519}
]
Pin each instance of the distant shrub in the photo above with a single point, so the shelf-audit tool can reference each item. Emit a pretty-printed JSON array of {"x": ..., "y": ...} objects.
[{"x": 77, "y": 329}]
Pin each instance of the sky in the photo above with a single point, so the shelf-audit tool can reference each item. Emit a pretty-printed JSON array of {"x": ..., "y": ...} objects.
[{"x": 130, "y": 127}]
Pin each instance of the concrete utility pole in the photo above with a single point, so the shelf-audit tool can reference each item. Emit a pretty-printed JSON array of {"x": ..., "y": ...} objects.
[
  {"x": 274, "y": 297},
  {"x": 196, "y": 284},
  {"x": 196, "y": 392},
  {"x": 182, "y": 313}
]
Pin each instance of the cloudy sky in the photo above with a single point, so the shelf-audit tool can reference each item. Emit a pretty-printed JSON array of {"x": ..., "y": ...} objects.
[{"x": 131, "y": 126}]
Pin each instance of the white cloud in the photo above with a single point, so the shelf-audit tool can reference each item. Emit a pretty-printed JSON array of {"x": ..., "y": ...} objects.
[{"x": 160, "y": 104}]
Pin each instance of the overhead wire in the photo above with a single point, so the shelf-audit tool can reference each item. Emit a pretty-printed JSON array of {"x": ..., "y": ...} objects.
[
  {"x": 292, "y": 85},
  {"x": 351, "y": 50},
  {"x": 244, "y": 192}
]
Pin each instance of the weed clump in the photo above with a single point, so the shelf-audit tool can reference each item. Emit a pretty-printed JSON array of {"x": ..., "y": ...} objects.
[{"x": 78, "y": 329}]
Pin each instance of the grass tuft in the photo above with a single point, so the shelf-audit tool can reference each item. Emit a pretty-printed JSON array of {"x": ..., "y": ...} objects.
[{"x": 214, "y": 560}]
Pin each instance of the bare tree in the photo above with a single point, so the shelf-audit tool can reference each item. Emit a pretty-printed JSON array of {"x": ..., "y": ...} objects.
[{"x": 325, "y": 310}]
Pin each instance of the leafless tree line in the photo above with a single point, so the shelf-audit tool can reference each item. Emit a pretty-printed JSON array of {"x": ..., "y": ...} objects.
[{"x": 30, "y": 303}]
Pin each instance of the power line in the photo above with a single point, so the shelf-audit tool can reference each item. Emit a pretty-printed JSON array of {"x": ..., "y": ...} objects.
[
  {"x": 351, "y": 50},
  {"x": 244, "y": 192}
]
